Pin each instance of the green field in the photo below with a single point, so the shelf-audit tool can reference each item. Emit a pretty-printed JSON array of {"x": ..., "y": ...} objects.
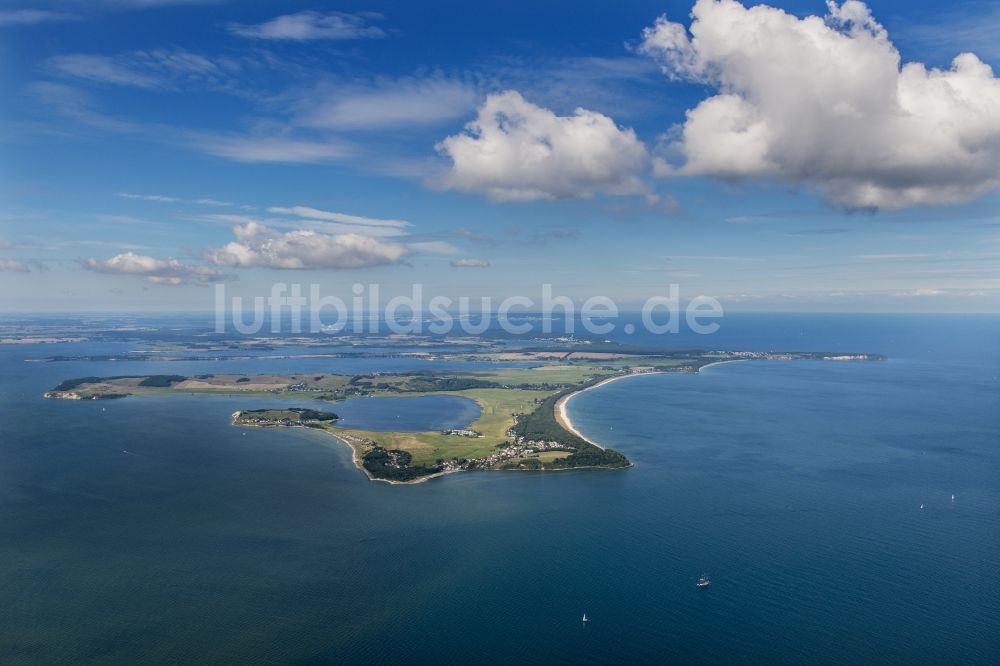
[
  {"x": 562, "y": 373},
  {"x": 498, "y": 407},
  {"x": 521, "y": 400}
]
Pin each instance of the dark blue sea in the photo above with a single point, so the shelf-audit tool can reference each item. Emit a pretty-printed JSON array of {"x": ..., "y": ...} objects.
[{"x": 149, "y": 530}]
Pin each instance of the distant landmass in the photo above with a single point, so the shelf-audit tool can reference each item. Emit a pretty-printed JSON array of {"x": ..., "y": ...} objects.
[{"x": 523, "y": 423}]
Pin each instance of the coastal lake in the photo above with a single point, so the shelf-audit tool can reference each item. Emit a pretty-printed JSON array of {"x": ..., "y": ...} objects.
[
  {"x": 150, "y": 529},
  {"x": 419, "y": 414}
]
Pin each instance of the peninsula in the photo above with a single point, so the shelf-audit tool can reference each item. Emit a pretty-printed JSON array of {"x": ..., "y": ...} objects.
[{"x": 522, "y": 423}]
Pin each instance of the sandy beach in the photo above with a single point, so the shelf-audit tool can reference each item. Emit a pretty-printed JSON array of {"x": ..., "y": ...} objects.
[
  {"x": 560, "y": 413},
  {"x": 563, "y": 417}
]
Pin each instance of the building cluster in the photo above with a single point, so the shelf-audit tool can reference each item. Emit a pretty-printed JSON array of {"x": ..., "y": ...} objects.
[
  {"x": 397, "y": 459},
  {"x": 523, "y": 447},
  {"x": 725, "y": 353},
  {"x": 463, "y": 433},
  {"x": 516, "y": 448}
]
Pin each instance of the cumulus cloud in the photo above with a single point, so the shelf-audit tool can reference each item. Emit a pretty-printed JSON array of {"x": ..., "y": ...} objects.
[
  {"x": 517, "y": 151},
  {"x": 158, "y": 271},
  {"x": 470, "y": 263},
  {"x": 311, "y": 25},
  {"x": 256, "y": 245},
  {"x": 826, "y": 102},
  {"x": 14, "y": 266}
]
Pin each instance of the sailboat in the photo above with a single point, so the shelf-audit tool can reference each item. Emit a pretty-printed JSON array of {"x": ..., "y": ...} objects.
[{"x": 585, "y": 618}]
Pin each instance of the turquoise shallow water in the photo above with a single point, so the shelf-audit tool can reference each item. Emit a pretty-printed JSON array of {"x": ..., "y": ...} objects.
[{"x": 153, "y": 530}]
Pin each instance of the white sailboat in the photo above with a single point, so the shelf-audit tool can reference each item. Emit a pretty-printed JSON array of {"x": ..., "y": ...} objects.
[{"x": 585, "y": 618}]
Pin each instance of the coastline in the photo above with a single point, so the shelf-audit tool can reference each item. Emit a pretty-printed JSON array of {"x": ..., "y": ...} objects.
[
  {"x": 360, "y": 465},
  {"x": 730, "y": 360},
  {"x": 562, "y": 416},
  {"x": 354, "y": 451}
]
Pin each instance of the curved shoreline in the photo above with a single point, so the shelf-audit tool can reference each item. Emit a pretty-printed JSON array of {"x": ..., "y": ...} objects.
[
  {"x": 360, "y": 465},
  {"x": 562, "y": 416}
]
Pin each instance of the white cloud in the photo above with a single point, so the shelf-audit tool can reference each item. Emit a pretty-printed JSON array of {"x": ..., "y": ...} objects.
[
  {"x": 921, "y": 293},
  {"x": 230, "y": 218},
  {"x": 13, "y": 266},
  {"x": 32, "y": 16},
  {"x": 165, "y": 69},
  {"x": 516, "y": 151},
  {"x": 77, "y": 105},
  {"x": 158, "y": 271},
  {"x": 305, "y": 217},
  {"x": 825, "y": 102},
  {"x": 259, "y": 246},
  {"x": 434, "y": 247},
  {"x": 310, "y": 25},
  {"x": 271, "y": 149},
  {"x": 146, "y": 197},
  {"x": 329, "y": 216},
  {"x": 893, "y": 256},
  {"x": 6, "y": 244},
  {"x": 955, "y": 30},
  {"x": 470, "y": 263},
  {"x": 104, "y": 69},
  {"x": 277, "y": 147},
  {"x": 388, "y": 103},
  {"x": 474, "y": 236},
  {"x": 163, "y": 198},
  {"x": 147, "y": 4}
]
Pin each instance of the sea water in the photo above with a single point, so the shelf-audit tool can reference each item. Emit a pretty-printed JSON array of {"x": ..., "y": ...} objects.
[{"x": 150, "y": 529}]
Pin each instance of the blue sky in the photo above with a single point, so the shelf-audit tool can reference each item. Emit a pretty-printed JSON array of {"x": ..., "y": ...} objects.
[{"x": 776, "y": 158}]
